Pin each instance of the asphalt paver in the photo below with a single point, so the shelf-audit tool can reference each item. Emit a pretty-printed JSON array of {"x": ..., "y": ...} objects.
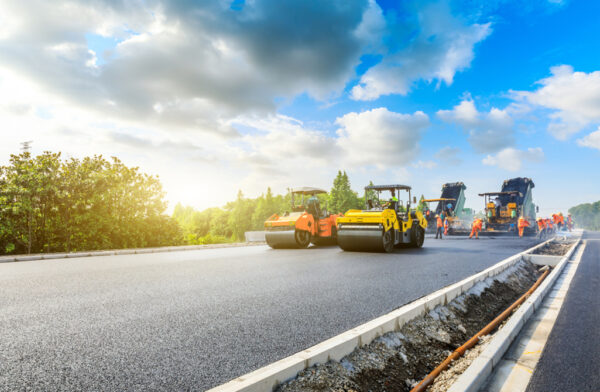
[
  {"x": 571, "y": 358},
  {"x": 191, "y": 320}
]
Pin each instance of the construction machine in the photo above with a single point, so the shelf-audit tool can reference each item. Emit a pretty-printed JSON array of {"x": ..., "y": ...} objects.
[
  {"x": 382, "y": 227},
  {"x": 503, "y": 209},
  {"x": 451, "y": 202},
  {"x": 305, "y": 223}
]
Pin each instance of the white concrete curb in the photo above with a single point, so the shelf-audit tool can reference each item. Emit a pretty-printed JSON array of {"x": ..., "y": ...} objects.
[
  {"x": 52, "y": 256},
  {"x": 480, "y": 369},
  {"x": 268, "y": 377}
]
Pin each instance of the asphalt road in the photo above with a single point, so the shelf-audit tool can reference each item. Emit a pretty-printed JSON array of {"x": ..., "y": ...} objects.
[
  {"x": 570, "y": 360},
  {"x": 191, "y": 320}
]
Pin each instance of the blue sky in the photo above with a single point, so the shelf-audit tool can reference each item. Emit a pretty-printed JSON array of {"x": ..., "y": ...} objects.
[{"x": 227, "y": 95}]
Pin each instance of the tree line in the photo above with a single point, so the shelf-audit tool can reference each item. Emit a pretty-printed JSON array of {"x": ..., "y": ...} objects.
[
  {"x": 52, "y": 204},
  {"x": 229, "y": 223},
  {"x": 586, "y": 215}
]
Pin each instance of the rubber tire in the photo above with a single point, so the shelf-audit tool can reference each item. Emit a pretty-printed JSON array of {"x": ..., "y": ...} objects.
[
  {"x": 388, "y": 241},
  {"x": 417, "y": 237},
  {"x": 302, "y": 238}
]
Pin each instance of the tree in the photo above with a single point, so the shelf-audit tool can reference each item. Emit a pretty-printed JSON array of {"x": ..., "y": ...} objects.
[
  {"x": 48, "y": 204},
  {"x": 587, "y": 215},
  {"x": 342, "y": 198}
]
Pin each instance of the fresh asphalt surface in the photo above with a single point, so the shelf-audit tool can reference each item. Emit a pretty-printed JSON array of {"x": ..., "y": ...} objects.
[
  {"x": 191, "y": 320},
  {"x": 571, "y": 359}
]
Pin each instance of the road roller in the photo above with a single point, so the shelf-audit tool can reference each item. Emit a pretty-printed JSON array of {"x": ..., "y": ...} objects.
[
  {"x": 306, "y": 223},
  {"x": 383, "y": 225}
]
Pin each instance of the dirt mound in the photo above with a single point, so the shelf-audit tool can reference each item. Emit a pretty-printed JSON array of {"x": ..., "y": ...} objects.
[
  {"x": 554, "y": 248},
  {"x": 397, "y": 360}
]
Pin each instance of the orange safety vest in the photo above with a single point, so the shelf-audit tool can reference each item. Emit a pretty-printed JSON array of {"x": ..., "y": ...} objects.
[
  {"x": 477, "y": 224},
  {"x": 541, "y": 224},
  {"x": 523, "y": 223},
  {"x": 439, "y": 222}
]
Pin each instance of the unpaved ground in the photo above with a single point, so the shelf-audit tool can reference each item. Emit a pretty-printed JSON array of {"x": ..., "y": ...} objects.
[
  {"x": 446, "y": 378},
  {"x": 555, "y": 248},
  {"x": 398, "y": 360}
]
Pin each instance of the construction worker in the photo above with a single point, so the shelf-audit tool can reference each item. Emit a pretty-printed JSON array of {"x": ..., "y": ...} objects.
[
  {"x": 569, "y": 222},
  {"x": 476, "y": 228},
  {"x": 561, "y": 217},
  {"x": 541, "y": 227},
  {"x": 522, "y": 224},
  {"x": 446, "y": 226},
  {"x": 556, "y": 220},
  {"x": 439, "y": 227},
  {"x": 549, "y": 226}
]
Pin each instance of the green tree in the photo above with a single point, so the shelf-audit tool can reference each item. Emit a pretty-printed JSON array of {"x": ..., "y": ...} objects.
[
  {"x": 48, "y": 204},
  {"x": 586, "y": 216},
  {"x": 342, "y": 198}
]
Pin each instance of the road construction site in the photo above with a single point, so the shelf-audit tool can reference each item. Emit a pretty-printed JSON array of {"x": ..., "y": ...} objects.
[{"x": 195, "y": 319}]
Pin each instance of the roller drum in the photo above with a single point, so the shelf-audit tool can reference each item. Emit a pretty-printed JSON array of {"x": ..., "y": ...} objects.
[
  {"x": 364, "y": 240},
  {"x": 287, "y": 239}
]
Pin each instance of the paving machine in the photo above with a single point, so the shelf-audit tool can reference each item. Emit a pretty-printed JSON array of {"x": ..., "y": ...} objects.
[
  {"x": 503, "y": 209},
  {"x": 305, "y": 223},
  {"x": 381, "y": 228},
  {"x": 452, "y": 203}
]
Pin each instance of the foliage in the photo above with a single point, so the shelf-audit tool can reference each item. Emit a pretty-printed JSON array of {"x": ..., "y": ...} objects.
[
  {"x": 586, "y": 216},
  {"x": 342, "y": 198},
  {"x": 52, "y": 205}
]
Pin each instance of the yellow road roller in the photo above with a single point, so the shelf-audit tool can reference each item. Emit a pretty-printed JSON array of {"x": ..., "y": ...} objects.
[{"x": 384, "y": 224}]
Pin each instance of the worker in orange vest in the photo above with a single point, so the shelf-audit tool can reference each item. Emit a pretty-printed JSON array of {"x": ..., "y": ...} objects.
[
  {"x": 522, "y": 224},
  {"x": 549, "y": 226},
  {"x": 476, "y": 228},
  {"x": 556, "y": 219},
  {"x": 440, "y": 224},
  {"x": 446, "y": 226},
  {"x": 541, "y": 227},
  {"x": 561, "y": 218}
]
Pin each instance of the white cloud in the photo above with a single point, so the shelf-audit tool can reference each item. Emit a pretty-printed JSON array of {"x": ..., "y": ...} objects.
[
  {"x": 379, "y": 137},
  {"x": 442, "y": 47},
  {"x": 201, "y": 63},
  {"x": 573, "y": 97},
  {"x": 512, "y": 159},
  {"x": 488, "y": 131},
  {"x": 592, "y": 140}
]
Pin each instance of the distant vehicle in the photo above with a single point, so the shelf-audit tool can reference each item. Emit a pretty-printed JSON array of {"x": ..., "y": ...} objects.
[
  {"x": 382, "y": 227},
  {"x": 503, "y": 209},
  {"x": 306, "y": 223},
  {"x": 459, "y": 218}
]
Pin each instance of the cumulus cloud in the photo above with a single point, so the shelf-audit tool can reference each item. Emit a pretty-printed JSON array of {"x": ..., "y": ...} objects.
[
  {"x": 592, "y": 140},
  {"x": 439, "y": 46},
  {"x": 512, "y": 159},
  {"x": 488, "y": 131},
  {"x": 379, "y": 137},
  {"x": 189, "y": 65},
  {"x": 573, "y": 97}
]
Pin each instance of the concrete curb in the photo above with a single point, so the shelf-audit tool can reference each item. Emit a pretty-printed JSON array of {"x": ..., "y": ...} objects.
[
  {"x": 54, "y": 256},
  {"x": 482, "y": 367},
  {"x": 268, "y": 377}
]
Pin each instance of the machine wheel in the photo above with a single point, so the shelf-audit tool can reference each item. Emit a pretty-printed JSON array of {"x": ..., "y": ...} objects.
[
  {"x": 417, "y": 237},
  {"x": 302, "y": 238},
  {"x": 388, "y": 241}
]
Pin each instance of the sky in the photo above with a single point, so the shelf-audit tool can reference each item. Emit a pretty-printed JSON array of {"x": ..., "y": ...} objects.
[{"x": 218, "y": 96}]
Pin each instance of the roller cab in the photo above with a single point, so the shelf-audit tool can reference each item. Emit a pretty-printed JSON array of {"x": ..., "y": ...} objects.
[{"x": 383, "y": 225}]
